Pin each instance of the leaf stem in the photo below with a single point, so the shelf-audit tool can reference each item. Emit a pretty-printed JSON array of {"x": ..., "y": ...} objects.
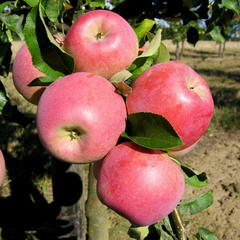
[{"x": 178, "y": 224}]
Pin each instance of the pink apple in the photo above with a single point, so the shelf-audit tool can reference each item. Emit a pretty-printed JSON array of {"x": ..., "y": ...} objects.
[
  {"x": 141, "y": 184},
  {"x": 80, "y": 117},
  {"x": 175, "y": 91},
  {"x": 23, "y": 73},
  {"x": 101, "y": 42},
  {"x": 2, "y": 168},
  {"x": 181, "y": 153}
]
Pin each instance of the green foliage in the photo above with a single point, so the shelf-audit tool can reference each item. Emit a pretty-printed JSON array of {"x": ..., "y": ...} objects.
[
  {"x": 163, "y": 54},
  {"x": 151, "y": 131},
  {"x": 155, "y": 53},
  {"x": 96, "y": 3},
  {"x": 3, "y": 98},
  {"x": 32, "y": 3},
  {"x": 13, "y": 23},
  {"x": 205, "y": 234},
  {"x": 217, "y": 35},
  {"x": 165, "y": 230},
  {"x": 194, "y": 179},
  {"x": 35, "y": 26},
  {"x": 53, "y": 9},
  {"x": 142, "y": 28},
  {"x": 138, "y": 233},
  {"x": 231, "y": 5},
  {"x": 197, "y": 204}
]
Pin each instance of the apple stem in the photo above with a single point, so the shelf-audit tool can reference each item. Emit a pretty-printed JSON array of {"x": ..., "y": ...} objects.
[{"x": 178, "y": 224}]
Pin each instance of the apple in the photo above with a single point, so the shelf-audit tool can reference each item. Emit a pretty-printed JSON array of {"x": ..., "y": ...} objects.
[
  {"x": 101, "y": 42},
  {"x": 178, "y": 93},
  {"x": 80, "y": 117},
  {"x": 24, "y": 73},
  {"x": 141, "y": 184},
  {"x": 181, "y": 153},
  {"x": 2, "y": 168}
]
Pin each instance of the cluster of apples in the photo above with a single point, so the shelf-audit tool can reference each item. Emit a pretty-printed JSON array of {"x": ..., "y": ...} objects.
[{"x": 81, "y": 116}]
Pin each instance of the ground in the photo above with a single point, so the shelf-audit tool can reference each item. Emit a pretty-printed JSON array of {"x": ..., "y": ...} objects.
[{"x": 217, "y": 153}]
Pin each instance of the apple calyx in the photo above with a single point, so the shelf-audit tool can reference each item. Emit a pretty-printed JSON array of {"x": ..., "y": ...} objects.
[
  {"x": 74, "y": 133},
  {"x": 100, "y": 36}
]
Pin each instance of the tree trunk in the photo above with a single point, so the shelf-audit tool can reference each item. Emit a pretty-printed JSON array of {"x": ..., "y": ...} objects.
[
  {"x": 177, "y": 51},
  {"x": 223, "y": 48},
  {"x": 182, "y": 50},
  {"x": 220, "y": 49},
  {"x": 97, "y": 214},
  {"x": 69, "y": 200}
]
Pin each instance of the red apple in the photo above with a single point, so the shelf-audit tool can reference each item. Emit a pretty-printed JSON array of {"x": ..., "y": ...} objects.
[
  {"x": 101, "y": 42},
  {"x": 141, "y": 184},
  {"x": 80, "y": 117},
  {"x": 2, "y": 168},
  {"x": 23, "y": 73},
  {"x": 181, "y": 153},
  {"x": 175, "y": 91}
]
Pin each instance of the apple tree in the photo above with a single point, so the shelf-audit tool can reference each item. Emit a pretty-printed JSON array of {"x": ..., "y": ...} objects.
[{"x": 43, "y": 26}]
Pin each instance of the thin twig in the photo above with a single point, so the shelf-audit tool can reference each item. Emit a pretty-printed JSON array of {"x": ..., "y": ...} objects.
[{"x": 179, "y": 225}]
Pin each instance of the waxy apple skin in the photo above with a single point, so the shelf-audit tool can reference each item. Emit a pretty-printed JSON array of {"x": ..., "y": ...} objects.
[
  {"x": 101, "y": 42},
  {"x": 141, "y": 184},
  {"x": 24, "y": 73},
  {"x": 181, "y": 153},
  {"x": 175, "y": 91},
  {"x": 2, "y": 168},
  {"x": 80, "y": 117}
]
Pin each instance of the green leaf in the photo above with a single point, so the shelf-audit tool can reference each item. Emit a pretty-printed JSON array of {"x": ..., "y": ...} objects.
[
  {"x": 64, "y": 61},
  {"x": 148, "y": 63},
  {"x": 165, "y": 233},
  {"x": 205, "y": 234},
  {"x": 14, "y": 23},
  {"x": 47, "y": 56},
  {"x": 146, "y": 59},
  {"x": 96, "y": 3},
  {"x": 163, "y": 55},
  {"x": 153, "y": 45},
  {"x": 143, "y": 27},
  {"x": 41, "y": 81},
  {"x": 232, "y": 5},
  {"x": 194, "y": 179},
  {"x": 3, "y": 98},
  {"x": 53, "y": 9},
  {"x": 217, "y": 35},
  {"x": 32, "y": 3},
  {"x": 138, "y": 233},
  {"x": 151, "y": 130},
  {"x": 168, "y": 226},
  {"x": 197, "y": 204}
]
